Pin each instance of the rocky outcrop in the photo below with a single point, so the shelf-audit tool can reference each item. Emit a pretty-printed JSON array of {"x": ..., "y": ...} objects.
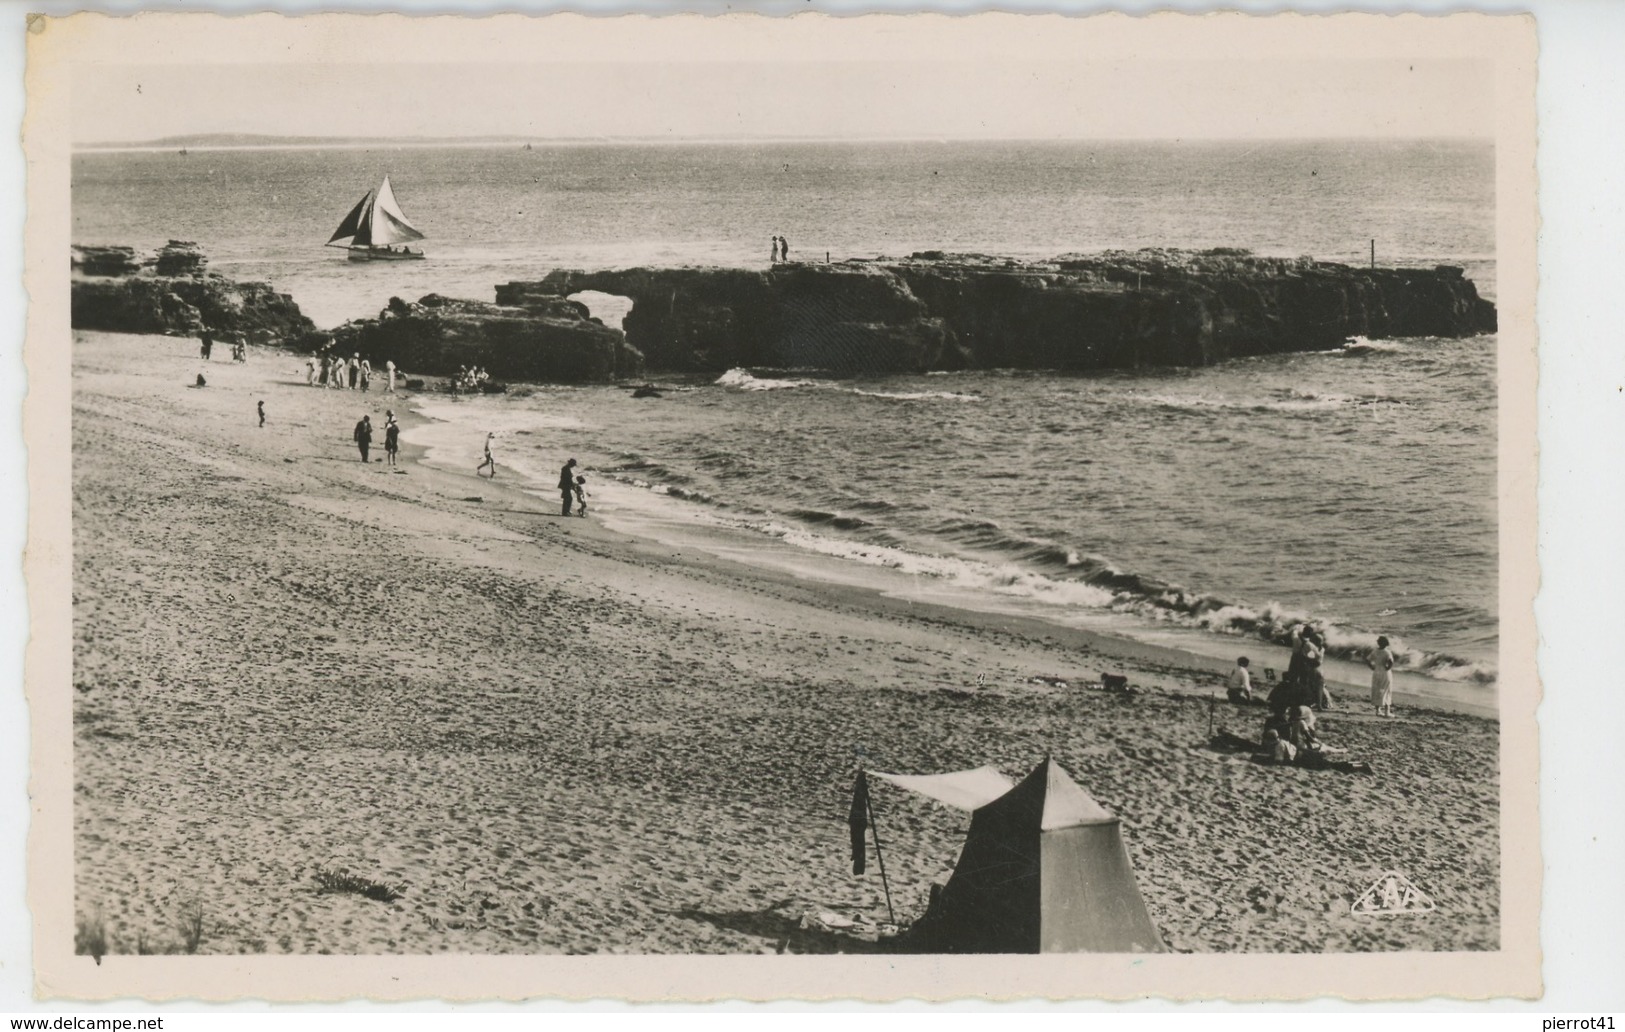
[
  {"x": 548, "y": 339},
  {"x": 181, "y": 258},
  {"x": 131, "y": 301},
  {"x": 942, "y": 311},
  {"x": 105, "y": 261}
]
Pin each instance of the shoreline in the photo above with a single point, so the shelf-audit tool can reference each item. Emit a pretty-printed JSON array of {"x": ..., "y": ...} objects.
[{"x": 656, "y": 524}]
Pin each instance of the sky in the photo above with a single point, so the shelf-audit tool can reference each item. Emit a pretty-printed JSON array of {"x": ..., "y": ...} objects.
[{"x": 916, "y": 97}]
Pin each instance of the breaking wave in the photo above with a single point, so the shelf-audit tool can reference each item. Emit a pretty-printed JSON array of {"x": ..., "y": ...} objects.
[
  {"x": 1284, "y": 401},
  {"x": 739, "y": 379},
  {"x": 1054, "y": 574}
]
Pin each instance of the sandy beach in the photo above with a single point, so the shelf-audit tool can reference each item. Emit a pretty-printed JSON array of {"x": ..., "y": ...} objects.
[{"x": 544, "y": 736}]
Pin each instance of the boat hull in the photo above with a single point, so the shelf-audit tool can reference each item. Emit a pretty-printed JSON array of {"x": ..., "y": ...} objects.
[{"x": 369, "y": 254}]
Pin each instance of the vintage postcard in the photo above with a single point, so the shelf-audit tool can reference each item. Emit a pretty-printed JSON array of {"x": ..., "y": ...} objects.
[{"x": 684, "y": 508}]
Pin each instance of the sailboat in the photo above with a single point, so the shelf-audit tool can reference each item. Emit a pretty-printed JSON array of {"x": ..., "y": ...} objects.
[{"x": 374, "y": 228}]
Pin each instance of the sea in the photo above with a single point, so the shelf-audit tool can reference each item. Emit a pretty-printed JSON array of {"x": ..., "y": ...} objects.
[{"x": 1205, "y": 509}]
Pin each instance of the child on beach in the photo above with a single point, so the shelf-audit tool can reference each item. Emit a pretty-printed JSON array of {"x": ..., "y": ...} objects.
[
  {"x": 1240, "y": 685},
  {"x": 581, "y": 497},
  {"x": 489, "y": 461},
  {"x": 1381, "y": 663}
]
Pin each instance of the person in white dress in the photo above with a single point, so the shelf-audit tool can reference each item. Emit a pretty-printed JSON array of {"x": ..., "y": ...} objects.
[{"x": 1381, "y": 662}]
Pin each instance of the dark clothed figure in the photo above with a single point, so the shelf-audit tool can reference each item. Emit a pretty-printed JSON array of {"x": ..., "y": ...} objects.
[
  {"x": 207, "y": 347},
  {"x": 261, "y": 407},
  {"x": 363, "y": 436},
  {"x": 392, "y": 440},
  {"x": 567, "y": 484}
]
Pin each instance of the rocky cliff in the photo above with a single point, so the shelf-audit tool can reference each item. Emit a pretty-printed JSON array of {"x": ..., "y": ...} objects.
[
  {"x": 113, "y": 290},
  {"x": 943, "y": 311},
  {"x": 549, "y": 339}
]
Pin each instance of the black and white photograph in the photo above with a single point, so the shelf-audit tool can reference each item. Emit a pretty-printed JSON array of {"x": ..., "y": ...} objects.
[{"x": 906, "y": 493}]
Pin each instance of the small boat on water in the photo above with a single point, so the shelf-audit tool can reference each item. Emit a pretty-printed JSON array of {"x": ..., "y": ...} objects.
[{"x": 376, "y": 230}]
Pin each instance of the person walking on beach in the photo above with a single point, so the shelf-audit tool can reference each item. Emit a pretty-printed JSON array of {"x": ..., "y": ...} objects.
[
  {"x": 389, "y": 367},
  {"x": 488, "y": 460},
  {"x": 207, "y": 345},
  {"x": 392, "y": 439},
  {"x": 366, "y": 374},
  {"x": 355, "y": 370},
  {"x": 363, "y": 436},
  {"x": 261, "y": 406},
  {"x": 1240, "y": 685},
  {"x": 567, "y": 484},
  {"x": 310, "y": 370},
  {"x": 1381, "y": 662}
]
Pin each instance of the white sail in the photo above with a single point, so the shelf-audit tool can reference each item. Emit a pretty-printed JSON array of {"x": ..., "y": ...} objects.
[
  {"x": 377, "y": 221},
  {"x": 387, "y": 222}
]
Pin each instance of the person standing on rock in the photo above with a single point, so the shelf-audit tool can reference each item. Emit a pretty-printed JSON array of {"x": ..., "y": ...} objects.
[
  {"x": 567, "y": 484},
  {"x": 363, "y": 436},
  {"x": 784, "y": 250},
  {"x": 773, "y": 255},
  {"x": 488, "y": 461}
]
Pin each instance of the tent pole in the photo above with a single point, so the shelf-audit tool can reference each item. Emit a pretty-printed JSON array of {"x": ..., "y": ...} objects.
[{"x": 881, "y": 859}]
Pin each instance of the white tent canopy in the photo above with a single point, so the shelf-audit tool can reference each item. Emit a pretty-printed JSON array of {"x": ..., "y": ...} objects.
[{"x": 963, "y": 789}]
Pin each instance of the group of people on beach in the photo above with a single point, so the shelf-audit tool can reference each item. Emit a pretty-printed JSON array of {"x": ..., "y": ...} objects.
[
  {"x": 334, "y": 371},
  {"x": 469, "y": 378},
  {"x": 392, "y": 437},
  {"x": 239, "y": 347},
  {"x": 1290, "y": 730}
]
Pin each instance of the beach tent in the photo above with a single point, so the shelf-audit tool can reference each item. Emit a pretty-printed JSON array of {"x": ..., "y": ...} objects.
[{"x": 1044, "y": 870}]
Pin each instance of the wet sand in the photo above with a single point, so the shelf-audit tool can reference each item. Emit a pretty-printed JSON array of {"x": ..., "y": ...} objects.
[{"x": 542, "y": 735}]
